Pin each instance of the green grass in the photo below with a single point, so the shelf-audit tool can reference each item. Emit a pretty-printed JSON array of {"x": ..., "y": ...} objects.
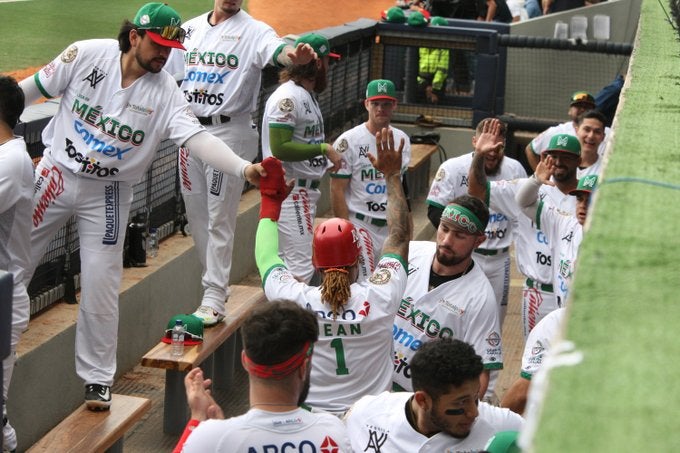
[
  {"x": 623, "y": 397},
  {"x": 34, "y": 32}
]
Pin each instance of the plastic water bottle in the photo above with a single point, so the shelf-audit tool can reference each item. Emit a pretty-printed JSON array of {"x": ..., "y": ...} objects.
[
  {"x": 178, "y": 339},
  {"x": 152, "y": 243}
]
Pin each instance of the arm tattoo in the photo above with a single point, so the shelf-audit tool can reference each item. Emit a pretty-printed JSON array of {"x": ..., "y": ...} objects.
[
  {"x": 398, "y": 221},
  {"x": 477, "y": 177}
]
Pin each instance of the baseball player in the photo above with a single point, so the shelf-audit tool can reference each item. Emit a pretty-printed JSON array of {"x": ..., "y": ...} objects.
[
  {"x": 442, "y": 414},
  {"x": 563, "y": 231},
  {"x": 447, "y": 294},
  {"x": 533, "y": 253},
  {"x": 278, "y": 346},
  {"x": 581, "y": 101},
  {"x": 16, "y": 200},
  {"x": 292, "y": 131},
  {"x": 535, "y": 349},
  {"x": 451, "y": 181},
  {"x": 220, "y": 76},
  {"x": 358, "y": 191},
  {"x": 117, "y": 105},
  {"x": 352, "y": 357},
  {"x": 590, "y": 131}
]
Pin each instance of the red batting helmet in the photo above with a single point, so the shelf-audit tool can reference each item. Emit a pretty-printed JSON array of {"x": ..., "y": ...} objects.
[{"x": 335, "y": 244}]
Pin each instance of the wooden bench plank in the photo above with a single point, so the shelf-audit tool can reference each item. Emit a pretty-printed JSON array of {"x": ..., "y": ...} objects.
[
  {"x": 241, "y": 301},
  {"x": 88, "y": 431},
  {"x": 421, "y": 153}
]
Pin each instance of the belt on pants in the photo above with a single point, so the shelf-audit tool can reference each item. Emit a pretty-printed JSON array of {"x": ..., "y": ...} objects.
[
  {"x": 213, "y": 120},
  {"x": 309, "y": 183},
  {"x": 492, "y": 252},
  {"x": 541, "y": 286},
  {"x": 371, "y": 220}
]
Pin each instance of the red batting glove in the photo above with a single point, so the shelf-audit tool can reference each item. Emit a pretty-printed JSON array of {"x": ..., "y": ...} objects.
[{"x": 272, "y": 189}]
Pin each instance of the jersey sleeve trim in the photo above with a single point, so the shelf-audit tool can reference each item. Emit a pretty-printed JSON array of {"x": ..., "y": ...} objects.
[
  {"x": 277, "y": 52},
  {"x": 281, "y": 126},
  {"x": 525, "y": 375},
  {"x": 539, "y": 209},
  {"x": 493, "y": 366},
  {"x": 398, "y": 258},
  {"x": 435, "y": 204},
  {"x": 340, "y": 176},
  {"x": 268, "y": 271},
  {"x": 36, "y": 78}
]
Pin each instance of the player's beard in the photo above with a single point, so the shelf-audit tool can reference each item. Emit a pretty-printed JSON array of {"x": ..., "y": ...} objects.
[
  {"x": 443, "y": 426},
  {"x": 305, "y": 386},
  {"x": 449, "y": 260},
  {"x": 147, "y": 64}
]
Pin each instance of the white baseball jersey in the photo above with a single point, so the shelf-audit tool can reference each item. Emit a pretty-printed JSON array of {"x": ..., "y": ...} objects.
[
  {"x": 532, "y": 247},
  {"x": 451, "y": 181},
  {"x": 263, "y": 431},
  {"x": 353, "y": 355},
  {"x": 16, "y": 203},
  {"x": 102, "y": 131},
  {"x": 565, "y": 234},
  {"x": 539, "y": 341},
  {"x": 542, "y": 140},
  {"x": 378, "y": 424},
  {"x": 222, "y": 64},
  {"x": 595, "y": 169},
  {"x": 464, "y": 308},
  {"x": 533, "y": 251},
  {"x": 367, "y": 191},
  {"x": 293, "y": 107}
]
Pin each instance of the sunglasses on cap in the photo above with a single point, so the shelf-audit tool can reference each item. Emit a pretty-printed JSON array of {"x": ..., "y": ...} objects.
[{"x": 171, "y": 32}]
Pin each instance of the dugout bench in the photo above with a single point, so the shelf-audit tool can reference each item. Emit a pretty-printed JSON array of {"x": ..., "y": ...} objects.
[{"x": 216, "y": 355}]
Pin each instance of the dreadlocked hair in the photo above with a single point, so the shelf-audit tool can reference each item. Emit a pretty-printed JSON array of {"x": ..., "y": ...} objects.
[{"x": 335, "y": 289}]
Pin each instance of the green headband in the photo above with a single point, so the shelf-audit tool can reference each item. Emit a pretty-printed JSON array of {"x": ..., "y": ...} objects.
[{"x": 462, "y": 217}]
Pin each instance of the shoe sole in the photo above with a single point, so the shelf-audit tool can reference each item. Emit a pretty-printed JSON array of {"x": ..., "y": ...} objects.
[{"x": 98, "y": 406}]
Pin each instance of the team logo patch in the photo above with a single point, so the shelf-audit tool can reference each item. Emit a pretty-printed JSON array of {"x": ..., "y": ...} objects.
[
  {"x": 380, "y": 277},
  {"x": 441, "y": 174},
  {"x": 493, "y": 339},
  {"x": 286, "y": 105},
  {"x": 69, "y": 54},
  {"x": 342, "y": 146},
  {"x": 537, "y": 349}
]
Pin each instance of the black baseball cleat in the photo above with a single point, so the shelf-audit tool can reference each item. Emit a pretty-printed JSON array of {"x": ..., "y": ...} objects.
[{"x": 98, "y": 397}]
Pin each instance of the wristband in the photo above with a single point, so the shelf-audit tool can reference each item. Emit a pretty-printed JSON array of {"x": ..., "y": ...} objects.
[{"x": 188, "y": 429}]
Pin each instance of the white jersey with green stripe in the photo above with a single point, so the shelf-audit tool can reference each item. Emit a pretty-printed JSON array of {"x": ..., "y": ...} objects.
[
  {"x": 539, "y": 341},
  {"x": 353, "y": 356},
  {"x": 293, "y": 107},
  {"x": 366, "y": 193},
  {"x": 464, "y": 308},
  {"x": 222, "y": 64},
  {"x": 101, "y": 130}
]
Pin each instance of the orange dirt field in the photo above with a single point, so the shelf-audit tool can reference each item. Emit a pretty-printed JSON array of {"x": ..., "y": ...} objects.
[{"x": 295, "y": 16}]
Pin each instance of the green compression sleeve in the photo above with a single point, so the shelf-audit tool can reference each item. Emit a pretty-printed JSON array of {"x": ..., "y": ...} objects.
[
  {"x": 284, "y": 148},
  {"x": 267, "y": 247}
]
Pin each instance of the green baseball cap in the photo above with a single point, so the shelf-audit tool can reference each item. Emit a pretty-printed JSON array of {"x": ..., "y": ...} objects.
[
  {"x": 587, "y": 184},
  {"x": 582, "y": 97},
  {"x": 564, "y": 143},
  {"x": 193, "y": 329},
  {"x": 394, "y": 15},
  {"x": 416, "y": 19},
  {"x": 162, "y": 24},
  {"x": 381, "y": 89},
  {"x": 319, "y": 43},
  {"x": 439, "y": 21},
  {"x": 503, "y": 442}
]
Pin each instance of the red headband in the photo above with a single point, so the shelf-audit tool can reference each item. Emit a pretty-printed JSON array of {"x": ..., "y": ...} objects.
[{"x": 279, "y": 370}]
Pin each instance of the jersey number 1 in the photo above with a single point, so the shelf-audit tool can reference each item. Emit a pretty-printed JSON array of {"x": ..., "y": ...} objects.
[{"x": 342, "y": 369}]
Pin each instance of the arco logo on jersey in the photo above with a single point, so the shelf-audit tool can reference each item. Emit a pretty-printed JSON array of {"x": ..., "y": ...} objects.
[{"x": 328, "y": 445}]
